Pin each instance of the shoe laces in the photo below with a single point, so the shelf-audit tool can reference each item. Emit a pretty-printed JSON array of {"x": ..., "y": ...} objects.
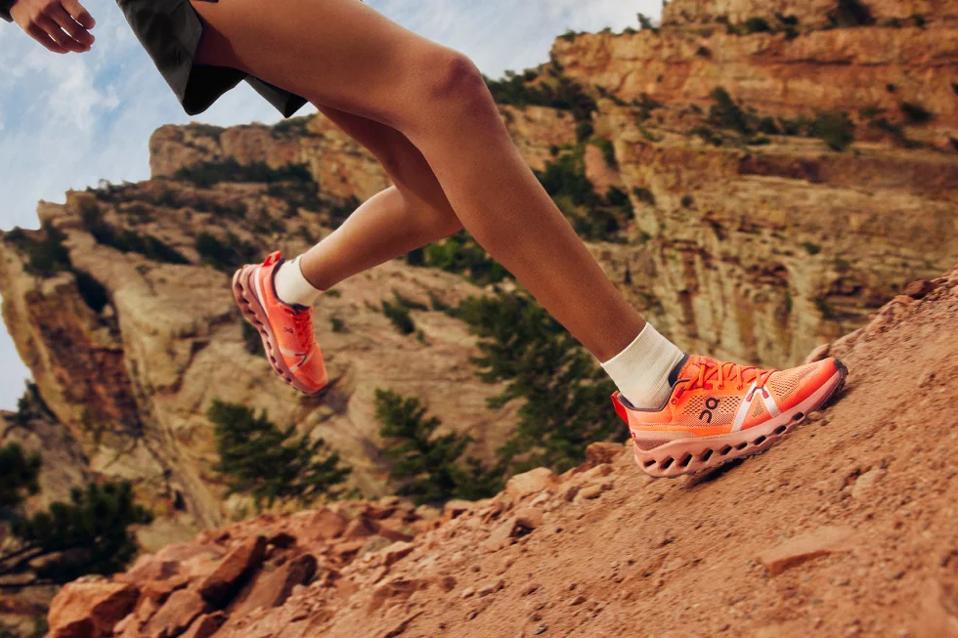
[
  {"x": 711, "y": 374},
  {"x": 302, "y": 325}
]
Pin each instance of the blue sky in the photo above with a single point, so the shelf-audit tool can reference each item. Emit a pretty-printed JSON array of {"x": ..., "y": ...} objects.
[{"x": 67, "y": 121}]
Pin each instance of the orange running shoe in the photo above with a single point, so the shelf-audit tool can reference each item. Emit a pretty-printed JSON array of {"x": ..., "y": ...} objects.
[
  {"x": 721, "y": 411},
  {"x": 286, "y": 330}
]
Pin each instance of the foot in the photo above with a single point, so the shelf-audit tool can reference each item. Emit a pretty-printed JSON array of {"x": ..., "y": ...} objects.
[
  {"x": 286, "y": 330},
  {"x": 719, "y": 411}
]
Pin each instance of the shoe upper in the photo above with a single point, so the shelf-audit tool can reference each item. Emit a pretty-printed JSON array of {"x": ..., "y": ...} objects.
[
  {"x": 714, "y": 397},
  {"x": 291, "y": 325}
]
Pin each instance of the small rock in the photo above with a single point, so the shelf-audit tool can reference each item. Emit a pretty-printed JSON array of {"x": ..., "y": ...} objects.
[
  {"x": 177, "y": 613},
  {"x": 594, "y": 490},
  {"x": 221, "y": 585},
  {"x": 797, "y": 550},
  {"x": 529, "y": 517},
  {"x": 603, "y": 452},
  {"x": 531, "y": 482},
  {"x": 866, "y": 481},
  {"x": 206, "y": 625},
  {"x": 919, "y": 288},
  {"x": 541, "y": 629},
  {"x": 578, "y": 600},
  {"x": 467, "y": 592},
  {"x": 91, "y": 606},
  {"x": 360, "y": 527},
  {"x": 491, "y": 588},
  {"x": 396, "y": 551},
  {"x": 531, "y": 588},
  {"x": 272, "y": 588},
  {"x": 457, "y": 506},
  {"x": 819, "y": 353},
  {"x": 326, "y": 524}
]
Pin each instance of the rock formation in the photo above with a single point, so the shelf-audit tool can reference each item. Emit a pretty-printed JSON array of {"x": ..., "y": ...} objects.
[{"x": 844, "y": 528}]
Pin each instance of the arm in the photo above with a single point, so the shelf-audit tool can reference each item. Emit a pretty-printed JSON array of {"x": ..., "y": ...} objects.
[{"x": 59, "y": 25}]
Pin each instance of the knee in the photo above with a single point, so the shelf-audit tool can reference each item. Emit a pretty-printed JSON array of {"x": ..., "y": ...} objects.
[{"x": 452, "y": 78}]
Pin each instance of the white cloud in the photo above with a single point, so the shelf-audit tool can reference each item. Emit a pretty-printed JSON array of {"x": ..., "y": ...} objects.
[{"x": 70, "y": 120}]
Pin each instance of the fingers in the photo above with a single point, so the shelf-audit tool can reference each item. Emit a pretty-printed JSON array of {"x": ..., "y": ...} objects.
[
  {"x": 80, "y": 36},
  {"x": 41, "y": 36},
  {"x": 55, "y": 33},
  {"x": 76, "y": 10}
]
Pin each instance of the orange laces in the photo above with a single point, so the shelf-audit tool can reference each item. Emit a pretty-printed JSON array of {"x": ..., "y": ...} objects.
[
  {"x": 716, "y": 374},
  {"x": 303, "y": 325}
]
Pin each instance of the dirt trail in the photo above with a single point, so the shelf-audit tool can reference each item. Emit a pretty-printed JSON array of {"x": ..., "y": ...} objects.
[{"x": 848, "y": 527}]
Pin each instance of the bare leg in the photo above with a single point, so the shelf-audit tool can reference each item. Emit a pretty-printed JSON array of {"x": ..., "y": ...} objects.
[
  {"x": 343, "y": 54},
  {"x": 411, "y": 213}
]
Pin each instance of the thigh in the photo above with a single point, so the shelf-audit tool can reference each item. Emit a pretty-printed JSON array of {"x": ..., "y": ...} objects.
[
  {"x": 339, "y": 53},
  {"x": 406, "y": 166}
]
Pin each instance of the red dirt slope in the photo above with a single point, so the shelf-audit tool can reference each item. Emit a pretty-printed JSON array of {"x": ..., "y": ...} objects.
[{"x": 848, "y": 527}]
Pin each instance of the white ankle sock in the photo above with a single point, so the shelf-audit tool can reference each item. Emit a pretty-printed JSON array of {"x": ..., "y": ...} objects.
[
  {"x": 641, "y": 370},
  {"x": 292, "y": 287}
]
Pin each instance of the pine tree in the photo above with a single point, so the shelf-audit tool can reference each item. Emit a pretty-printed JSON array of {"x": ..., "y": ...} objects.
[
  {"x": 566, "y": 395},
  {"x": 258, "y": 458},
  {"x": 425, "y": 467},
  {"x": 18, "y": 477},
  {"x": 88, "y": 535}
]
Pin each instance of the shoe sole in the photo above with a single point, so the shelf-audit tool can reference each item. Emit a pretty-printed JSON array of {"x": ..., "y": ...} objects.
[
  {"x": 255, "y": 314},
  {"x": 689, "y": 456}
]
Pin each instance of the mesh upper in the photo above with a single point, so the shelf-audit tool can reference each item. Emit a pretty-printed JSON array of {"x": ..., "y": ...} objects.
[{"x": 785, "y": 382}]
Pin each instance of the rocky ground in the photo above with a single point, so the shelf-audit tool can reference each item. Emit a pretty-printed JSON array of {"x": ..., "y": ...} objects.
[{"x": 846, "y": 528}]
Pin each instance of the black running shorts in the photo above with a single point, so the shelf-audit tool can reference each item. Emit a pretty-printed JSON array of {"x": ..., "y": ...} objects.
[{"x": 170, "y": 31}]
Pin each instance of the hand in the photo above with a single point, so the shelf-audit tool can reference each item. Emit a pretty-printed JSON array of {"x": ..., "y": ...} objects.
[{"x": 59, "y": 25}]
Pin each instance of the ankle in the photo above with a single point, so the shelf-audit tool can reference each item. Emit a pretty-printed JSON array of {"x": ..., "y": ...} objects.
[{"x": 292, "y": 287}]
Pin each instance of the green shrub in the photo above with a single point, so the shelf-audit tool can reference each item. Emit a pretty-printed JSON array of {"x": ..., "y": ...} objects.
[
  {"x": 757, "y": 25},
  {"x": 291, "y": 126},
  {"x": 128, "y": 241},
  {"x": 644, "y": 195},
  {"x": 708, "y": 135},
  {"x": 645, "y": 22},
  {"x": 459, "y": 253},
  {"x": 398, "y": 314},
  {"x": 646, "y": 105},
  {"x": 337, "y": 324},
  {"x": 608, "y": 150},
  {"x": 44, "y": 250},
  {"x": 561, "y": 93},
  {"x": 426, "y": 467},
  {"x": 18, "y": 477},
  {"x": 835, "y": 129},
  {"x": 259, "y": 459},
  {"x": 564, "y": 392},
  {"x": 850, "y": 13},
  {"x": 915, "y": 113},
  {"x": 205, "y": 174},
  {"x": 584, "y": 131},
  {"x": 88, "y": 535},
  {"x": 725, "y": 113},
  {"x": 227, "y": 255},
  {"x": 811, "y": 248}
]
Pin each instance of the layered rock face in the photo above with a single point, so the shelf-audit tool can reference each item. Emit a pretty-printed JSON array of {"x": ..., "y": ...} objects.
[
  {"x": 844, "y": 528},
  {"x": 763, "y": 244}
]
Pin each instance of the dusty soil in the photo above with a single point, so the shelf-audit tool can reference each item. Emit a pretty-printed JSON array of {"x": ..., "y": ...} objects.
[{"x": 847, "y": 527}]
